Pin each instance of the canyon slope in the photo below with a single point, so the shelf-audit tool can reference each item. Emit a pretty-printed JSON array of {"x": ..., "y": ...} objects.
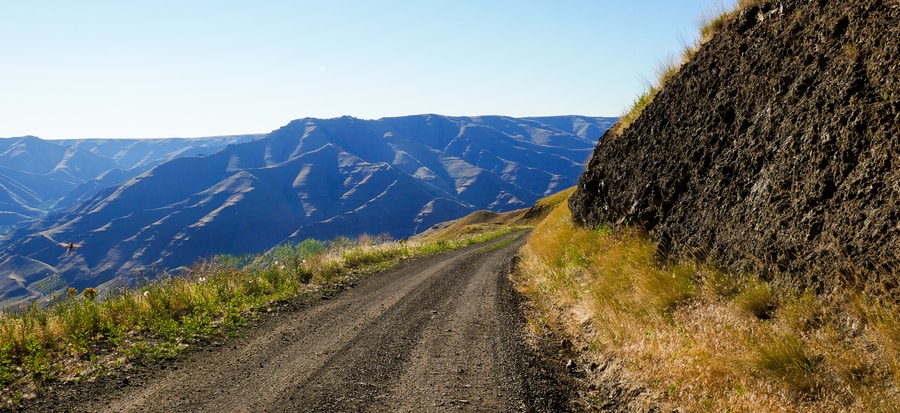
[
  {"x": 774, "y": 149},
  {"x": 38, "y": 176},
  {"x": 313, "y": 178}
]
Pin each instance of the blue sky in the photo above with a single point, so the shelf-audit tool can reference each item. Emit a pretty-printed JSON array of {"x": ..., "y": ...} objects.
[{"x": 139, "y": 69}]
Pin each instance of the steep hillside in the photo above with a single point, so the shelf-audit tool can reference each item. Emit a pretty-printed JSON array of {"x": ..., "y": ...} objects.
[
  {"x": 313, "y": 178},
  {"x": 774, "y": 149},
  {"x": 38, "y": 176},
  {"x": 35, "y": 173}
]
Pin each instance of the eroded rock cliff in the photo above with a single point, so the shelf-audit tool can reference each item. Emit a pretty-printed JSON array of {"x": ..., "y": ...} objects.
[{"x": 775, "y": 149}]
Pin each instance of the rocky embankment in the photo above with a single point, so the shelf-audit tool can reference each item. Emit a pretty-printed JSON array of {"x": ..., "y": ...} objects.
[{"x": 776, "y": 148}]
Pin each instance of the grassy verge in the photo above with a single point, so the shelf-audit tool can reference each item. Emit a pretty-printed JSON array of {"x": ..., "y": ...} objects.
[
  {"x": 690, "y": 337},
  {"x": 84, "y": 335}
]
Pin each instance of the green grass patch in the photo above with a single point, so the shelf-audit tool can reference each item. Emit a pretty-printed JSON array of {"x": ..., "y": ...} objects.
[
  {"x": 757, "y": 299},
  {"x": 785, "y": 358},
  {"x": 501, "y": 244}
]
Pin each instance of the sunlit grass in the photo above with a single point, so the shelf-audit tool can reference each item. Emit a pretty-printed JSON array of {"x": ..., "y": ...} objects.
[
  {"x": 172, "y": 312},
  {"x": 665, "y": 71},
  {"x": 696, "y": 338}
]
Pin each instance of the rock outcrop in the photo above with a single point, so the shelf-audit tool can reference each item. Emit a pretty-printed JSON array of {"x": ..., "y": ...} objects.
[{"x": 775, "y": 149}]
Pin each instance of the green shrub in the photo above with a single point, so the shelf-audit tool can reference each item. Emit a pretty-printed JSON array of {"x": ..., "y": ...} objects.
[
  {"x": 80, "y": 319},
  {"x": 36, "y": 361},
  {"x": 7, "y": 361}
]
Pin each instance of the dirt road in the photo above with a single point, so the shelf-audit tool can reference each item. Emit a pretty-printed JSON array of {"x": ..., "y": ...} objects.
[{"x": 436, "y": 334}]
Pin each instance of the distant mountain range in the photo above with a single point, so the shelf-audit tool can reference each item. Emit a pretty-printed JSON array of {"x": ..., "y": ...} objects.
[
  {"x": 37, "y": 176},
  {"x": 162, "y": 204}
]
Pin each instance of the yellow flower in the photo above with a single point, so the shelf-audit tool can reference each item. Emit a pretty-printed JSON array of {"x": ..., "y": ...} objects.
[{"x": 89, "y": 293}]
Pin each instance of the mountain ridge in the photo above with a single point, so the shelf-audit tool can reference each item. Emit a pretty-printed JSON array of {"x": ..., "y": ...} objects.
[
  {"x": 312, "y": 178},
  {"x": 38, "y": 176}
]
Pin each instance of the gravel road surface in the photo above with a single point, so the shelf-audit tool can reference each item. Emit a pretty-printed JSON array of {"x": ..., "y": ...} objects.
[{"x": 442, "y": 333}]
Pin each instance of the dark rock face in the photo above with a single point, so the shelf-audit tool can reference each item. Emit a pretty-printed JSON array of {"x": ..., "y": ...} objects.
[{"x": 775, "y": 149}]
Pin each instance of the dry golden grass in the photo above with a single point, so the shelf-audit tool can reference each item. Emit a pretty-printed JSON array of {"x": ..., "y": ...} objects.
[
  {"x": 691, "y": 337},
  {"x": 483, "y": 221},
  {"x": 474, "y": 223},
  {"x": 714, "y": 20},
  {"x": 666, "y": 71}
]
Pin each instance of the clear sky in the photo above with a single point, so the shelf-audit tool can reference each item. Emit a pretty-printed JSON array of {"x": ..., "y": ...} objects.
[{"x": 163, "y": 68}]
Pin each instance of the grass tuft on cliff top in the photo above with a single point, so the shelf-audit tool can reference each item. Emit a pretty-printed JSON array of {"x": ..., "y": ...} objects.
[{"x": 710, "y": 24}]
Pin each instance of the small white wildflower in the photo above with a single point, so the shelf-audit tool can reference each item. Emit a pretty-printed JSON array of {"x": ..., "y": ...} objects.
[
  {"x": 202, "y": 279},
  {"x": 146, "y": 293}
]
